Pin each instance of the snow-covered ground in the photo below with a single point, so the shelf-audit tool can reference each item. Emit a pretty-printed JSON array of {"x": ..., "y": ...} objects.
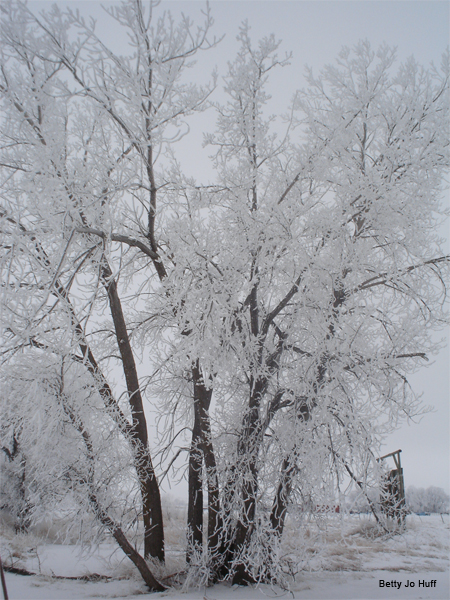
[{"x": 351, "y": 565}]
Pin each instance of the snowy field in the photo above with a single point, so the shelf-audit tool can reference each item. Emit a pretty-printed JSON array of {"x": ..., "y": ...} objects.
[{"x": 347, "y": 564}]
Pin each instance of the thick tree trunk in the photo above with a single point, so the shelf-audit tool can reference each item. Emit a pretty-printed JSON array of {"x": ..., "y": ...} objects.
[
  {"x": 202, "y": 450},
  {"x": 214, "y": 520},
  {"x": 280, "y": 503},
  {"x": 151, "y": 499}
]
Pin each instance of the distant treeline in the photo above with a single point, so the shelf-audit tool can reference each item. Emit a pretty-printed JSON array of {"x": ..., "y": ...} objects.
[{"x": 431, "y": 500}]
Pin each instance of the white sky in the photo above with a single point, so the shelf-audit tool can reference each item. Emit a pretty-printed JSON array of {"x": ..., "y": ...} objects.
[{"x": 315, "y": 31}]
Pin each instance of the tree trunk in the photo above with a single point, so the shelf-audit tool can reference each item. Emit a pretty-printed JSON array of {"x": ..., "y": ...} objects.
[
  {"x": 151, "y": 499},
  {"x": 214, "y": 520},
  {"x": 289, "y": 465},
  {"x": 133, "y": 555},
  {"x": 248, "y": 450},
  {"x": 195, "y": 494},
  {"x": 279, "y": 507},
  {"x": 202, "y": 449}
]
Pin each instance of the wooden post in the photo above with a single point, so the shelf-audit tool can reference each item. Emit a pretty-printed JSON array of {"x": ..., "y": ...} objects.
[{"x": 394, "y": 506}]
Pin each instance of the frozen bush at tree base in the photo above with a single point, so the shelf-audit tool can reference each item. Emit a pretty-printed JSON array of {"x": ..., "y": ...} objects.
[{"x": 281, "y": 308}]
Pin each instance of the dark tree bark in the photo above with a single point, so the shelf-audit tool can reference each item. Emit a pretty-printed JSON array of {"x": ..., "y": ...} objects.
[
  {"x": 202, "y": 451},
  {"x": 153, "y": 584},
  {"x": 195, "y": 492},
  {"x": 23, "y": 510},
  {"x": 151, "y": 498},
  {"x": 136, "y": 558},
  {"x": 214, "y": 507},
  {"x": 280, "y": 503}
]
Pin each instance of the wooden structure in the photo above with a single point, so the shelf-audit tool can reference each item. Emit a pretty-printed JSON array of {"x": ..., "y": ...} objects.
[{"x": 393, "y": 490}]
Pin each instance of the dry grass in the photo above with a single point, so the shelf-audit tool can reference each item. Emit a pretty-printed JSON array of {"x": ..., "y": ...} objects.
[{"x": 328, "y": 543}]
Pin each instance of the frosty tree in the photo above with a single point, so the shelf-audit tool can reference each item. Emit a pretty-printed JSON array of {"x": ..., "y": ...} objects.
[
  {"x": 83, "y": 130},
  {"x": 281, "y": 308},
  {"x": 308, "y": 291}
]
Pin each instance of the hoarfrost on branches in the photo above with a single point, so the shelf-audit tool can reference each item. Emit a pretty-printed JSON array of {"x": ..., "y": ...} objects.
[{"x": 280, "y": 309}]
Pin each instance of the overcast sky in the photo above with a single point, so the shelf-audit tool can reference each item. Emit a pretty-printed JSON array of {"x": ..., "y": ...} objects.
[{"x": 315, "y": 31}]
